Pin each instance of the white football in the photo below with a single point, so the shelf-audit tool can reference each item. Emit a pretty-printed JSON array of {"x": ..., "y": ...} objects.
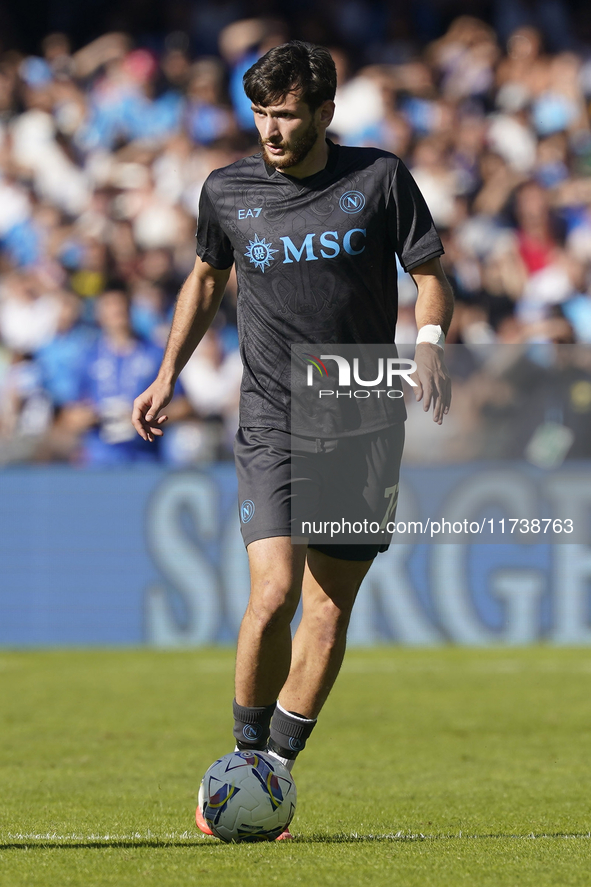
[{"x": 247, "y": 796}]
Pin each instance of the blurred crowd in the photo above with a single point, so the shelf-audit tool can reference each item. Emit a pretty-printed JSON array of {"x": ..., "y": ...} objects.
[{"x": 103, "y": 153}]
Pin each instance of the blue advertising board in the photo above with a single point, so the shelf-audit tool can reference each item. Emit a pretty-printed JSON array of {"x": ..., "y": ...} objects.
[{"x": 148, "y": 556}]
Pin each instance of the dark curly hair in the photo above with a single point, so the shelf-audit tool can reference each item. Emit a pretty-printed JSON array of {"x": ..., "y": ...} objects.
[{"x": 292, "y": 67}]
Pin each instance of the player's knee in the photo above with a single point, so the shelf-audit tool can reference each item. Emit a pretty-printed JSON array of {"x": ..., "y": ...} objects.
[
  {"x": 332, "y": 621},
  {"x": 273, "y": 606}
]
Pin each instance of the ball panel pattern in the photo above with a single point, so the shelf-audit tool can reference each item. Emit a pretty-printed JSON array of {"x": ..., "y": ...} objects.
[{"x": 247, "y": 796}]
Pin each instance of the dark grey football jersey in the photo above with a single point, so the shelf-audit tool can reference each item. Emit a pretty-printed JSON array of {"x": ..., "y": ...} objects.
[{"x": 315, "y": 260}]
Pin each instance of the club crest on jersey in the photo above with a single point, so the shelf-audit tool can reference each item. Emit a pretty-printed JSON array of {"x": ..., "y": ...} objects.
[
  {"x": 352, "y": 202},
  {"x": 260, "y": 252}
]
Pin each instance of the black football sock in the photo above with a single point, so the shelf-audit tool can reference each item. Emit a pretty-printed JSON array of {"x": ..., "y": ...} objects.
[
  {"x": 251, "y": 725},
  {"x": 289, "y": 732}
]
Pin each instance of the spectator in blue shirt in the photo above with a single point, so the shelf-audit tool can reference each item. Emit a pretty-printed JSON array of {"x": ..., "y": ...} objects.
[
  {"x": 117, "y": 368},
  {"x": 61, "y": 361}
]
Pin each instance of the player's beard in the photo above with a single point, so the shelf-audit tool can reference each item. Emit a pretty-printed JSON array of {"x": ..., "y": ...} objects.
[{"x": 295, "y": 151}]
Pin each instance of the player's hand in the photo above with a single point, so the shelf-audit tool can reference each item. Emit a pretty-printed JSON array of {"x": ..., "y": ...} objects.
[
  {"x": 145, "y": 418},
  {"x": 433, "y": 382}
]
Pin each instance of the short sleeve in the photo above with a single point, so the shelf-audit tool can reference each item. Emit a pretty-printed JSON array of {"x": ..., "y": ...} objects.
[
  {"x": 213, "y": 244},
  {"x": 411, "y": 227}
]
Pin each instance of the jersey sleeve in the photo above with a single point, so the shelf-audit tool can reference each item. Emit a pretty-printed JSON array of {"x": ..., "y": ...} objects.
[
  {"x": 213, "y": 244},
  {"x": 411, "y": 227}
]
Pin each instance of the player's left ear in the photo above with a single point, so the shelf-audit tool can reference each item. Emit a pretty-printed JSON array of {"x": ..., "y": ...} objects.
[{"x": 325, "y": 114}]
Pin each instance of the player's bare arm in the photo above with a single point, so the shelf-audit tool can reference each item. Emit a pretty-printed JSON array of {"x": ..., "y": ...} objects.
[
  {"x": 434, "y": 308},
  {"x": 196, "y": 307}
]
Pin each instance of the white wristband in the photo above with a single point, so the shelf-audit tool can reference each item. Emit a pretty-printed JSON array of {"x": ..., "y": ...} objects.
[{"x": 431, "y": 333}]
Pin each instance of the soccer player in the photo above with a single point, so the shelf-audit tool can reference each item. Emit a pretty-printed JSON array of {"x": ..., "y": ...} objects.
[{"x": 313, "y": 229}]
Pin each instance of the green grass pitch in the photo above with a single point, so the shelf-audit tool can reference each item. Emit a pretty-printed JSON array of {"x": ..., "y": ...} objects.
[{"x": 428, "y": 767}]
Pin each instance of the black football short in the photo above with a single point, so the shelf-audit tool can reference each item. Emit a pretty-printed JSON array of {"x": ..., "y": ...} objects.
[{"x": 306, "y": 489}]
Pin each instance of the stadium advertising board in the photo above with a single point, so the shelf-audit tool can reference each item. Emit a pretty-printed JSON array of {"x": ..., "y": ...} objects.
[{"x": 146, "y": 556}]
